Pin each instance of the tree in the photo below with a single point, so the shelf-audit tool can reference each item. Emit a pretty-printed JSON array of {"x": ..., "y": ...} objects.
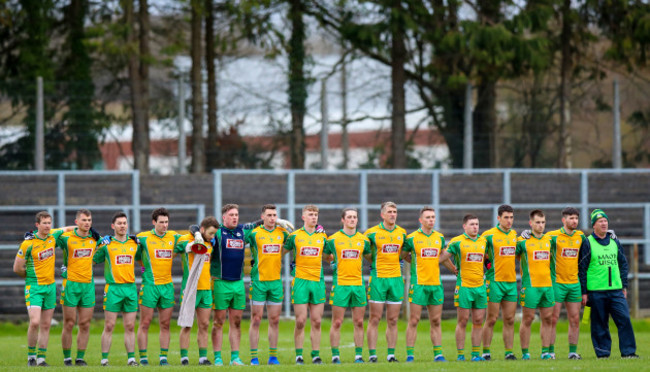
[
  {"x": 82, "y": 121},
  {"x": 297, "y": 83},
  {"x": 211, "y": 151},
  {"x": 196, "y": 81},
  {"x": 138, "y": 68}
]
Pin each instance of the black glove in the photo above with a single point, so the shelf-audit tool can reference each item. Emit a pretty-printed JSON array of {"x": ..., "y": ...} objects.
[
  {"x": 135, "y": 238},
  {"x": 29, "y": 235},
  {"x": 95, "y": 234},
  {"x": 194, "y": 229},
  {"x": 252, "y": 262},
  {"x": 292, "y": 266}
]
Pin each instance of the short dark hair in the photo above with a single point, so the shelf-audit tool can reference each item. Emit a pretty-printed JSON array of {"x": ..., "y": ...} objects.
[
  {"x": 268, "y": 206},
  {"x": 228, "y": 207},
  {"x": 42, "y": 214},
  {"x": 117, "y": 215},
  {"x": 536, "y": 212},
  {"x": 210, "y": 221},
  {"x": 159, "y": 212},
  {"x": 85, "y": 212},
  {"x": 570, "y": 211},
  {"x": 427, "y": 208},
  {"x": 349, "y": 209},
  {"x": 468, "y": 217},
  {"x": 505, "y": 208}
]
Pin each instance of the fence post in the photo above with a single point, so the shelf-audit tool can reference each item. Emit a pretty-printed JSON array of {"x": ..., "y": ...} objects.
[
  {"x": 634, "y": 298},
  {"x": 291, "y": 216},
  {"x": 39, "y": 155}
]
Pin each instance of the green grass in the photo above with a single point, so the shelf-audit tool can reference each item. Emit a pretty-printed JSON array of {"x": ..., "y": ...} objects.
[{"x": 13, "y": 350}]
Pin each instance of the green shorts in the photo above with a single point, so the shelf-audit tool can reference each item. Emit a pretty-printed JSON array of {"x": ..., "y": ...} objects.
[
  {"x": 203, "y": 299},
  {"x": 567, "y": 292},
  {"x": 121, "y": 298},
  {"x": 75, "y": 294},
  {"x": 501, "y": 291},
  {"x": 307, "y": 292},
  {"x": 425, "y": 295},
  {"x": 386, "y": 290},
  {"x": 43, "y": 296},
  {"x": 266, "y": 292},
  {"x": 536, "y": 297},
  {"x": 228, "y": 295},
  {"x": 470, "y": 297},
  {"x": 348, "y": 296},
  {"x": 159, "y": 296}
]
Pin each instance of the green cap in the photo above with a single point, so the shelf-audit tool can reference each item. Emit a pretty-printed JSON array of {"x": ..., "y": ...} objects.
[{"x": 597, "y": 214}]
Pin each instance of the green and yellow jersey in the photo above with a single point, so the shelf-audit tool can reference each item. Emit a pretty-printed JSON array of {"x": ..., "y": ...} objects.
[
  {"x": 565, "y": 258},
  {"x": 535, "y": 261},
  {"x": 501, "y": 247},
  {"x": 425, "y": 253},
  {"x": 39, "y": 256},
  {"x": 468, "y": 257},
  {"x": 348, "y": 251},
  {"x": 204, "y": 282},
  {"x": 385, "y": 247},
  {"x": 156, "y": 253},
  {"x": 119, "y": 260},
  {"x": 266, "y": 251},
  {"x": 307, "y": 252},
  {"x": 78, "y": 254}
]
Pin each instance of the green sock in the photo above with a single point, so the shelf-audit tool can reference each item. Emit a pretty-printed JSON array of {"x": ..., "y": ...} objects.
[
  {"x": 273, "y": 351},
  {"x": 81, "y": 354},
  {"x": 410, "y": 350},
  {"x": 524, "y": 351},
  {"x": 143, "y": 353},
  {"x": 31, "y": 351},
  {"x": 508, "y": 351},
  {"x": 372, "y": 352},
  {"x": 573, "y": 348},
  {"x": 391, "y": 351},
  {"x": 234, "y": 354},
  {"x": 544, "y": 350},
  {"x": 335, "y": 351},
  {"x": 476, "y": 350},
  {"x": 41, "y": 352},
  {"x": 183, "y": 353},
  {"x": 163, "y": 353},
  {"x": 130, "y": 355},
  {"x": 203, "y": 352},
  {"x": 104, "y": 355},
  {"x": 486, "y": 350},
  {"x": 217, "y": 355},
  {"x": 315, "y": 353},
  {"x": 298, "y": 352},
  {"x": 253, "y": 353},
  {"x": 358, "y": 351},
  {"x": 437, "y": 350},
  {"x": 551, "y": 349},
  {"x": 67, "y": 353},
  {"x": 460, "y": 352}
]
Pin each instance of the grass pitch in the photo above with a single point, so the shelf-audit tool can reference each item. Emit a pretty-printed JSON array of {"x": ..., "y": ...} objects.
[{"x": 13, "y": 350}]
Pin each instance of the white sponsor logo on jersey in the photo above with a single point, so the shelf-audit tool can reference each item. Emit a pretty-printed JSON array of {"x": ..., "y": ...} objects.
[
  {"x": 507, "y": 251},
  {"x": 390, "y": 248},
  {"x": 474, "y": 257},
  {"x": 570, "y": 252},
  {"x": 350, "y": 254},
  {"x": 310, "y": 251},
  {"x": 429, "y": 252},
  {"x": 541, "y": 255},
  {"x": 83, "y": 252},
  {"x": 235, "y": 244},
  {"x": 164, "y": 254},
  {"x": 123, "y": 259},
  {"x": 271, "y": 248},
  {"x": 45, "y": 254}
]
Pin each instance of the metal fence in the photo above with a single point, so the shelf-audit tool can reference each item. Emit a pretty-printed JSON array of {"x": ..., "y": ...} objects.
[{"x": 290, "y": 204}]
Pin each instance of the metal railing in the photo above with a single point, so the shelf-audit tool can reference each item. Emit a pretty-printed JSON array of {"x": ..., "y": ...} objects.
[{"x": 290, "y": 205}]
